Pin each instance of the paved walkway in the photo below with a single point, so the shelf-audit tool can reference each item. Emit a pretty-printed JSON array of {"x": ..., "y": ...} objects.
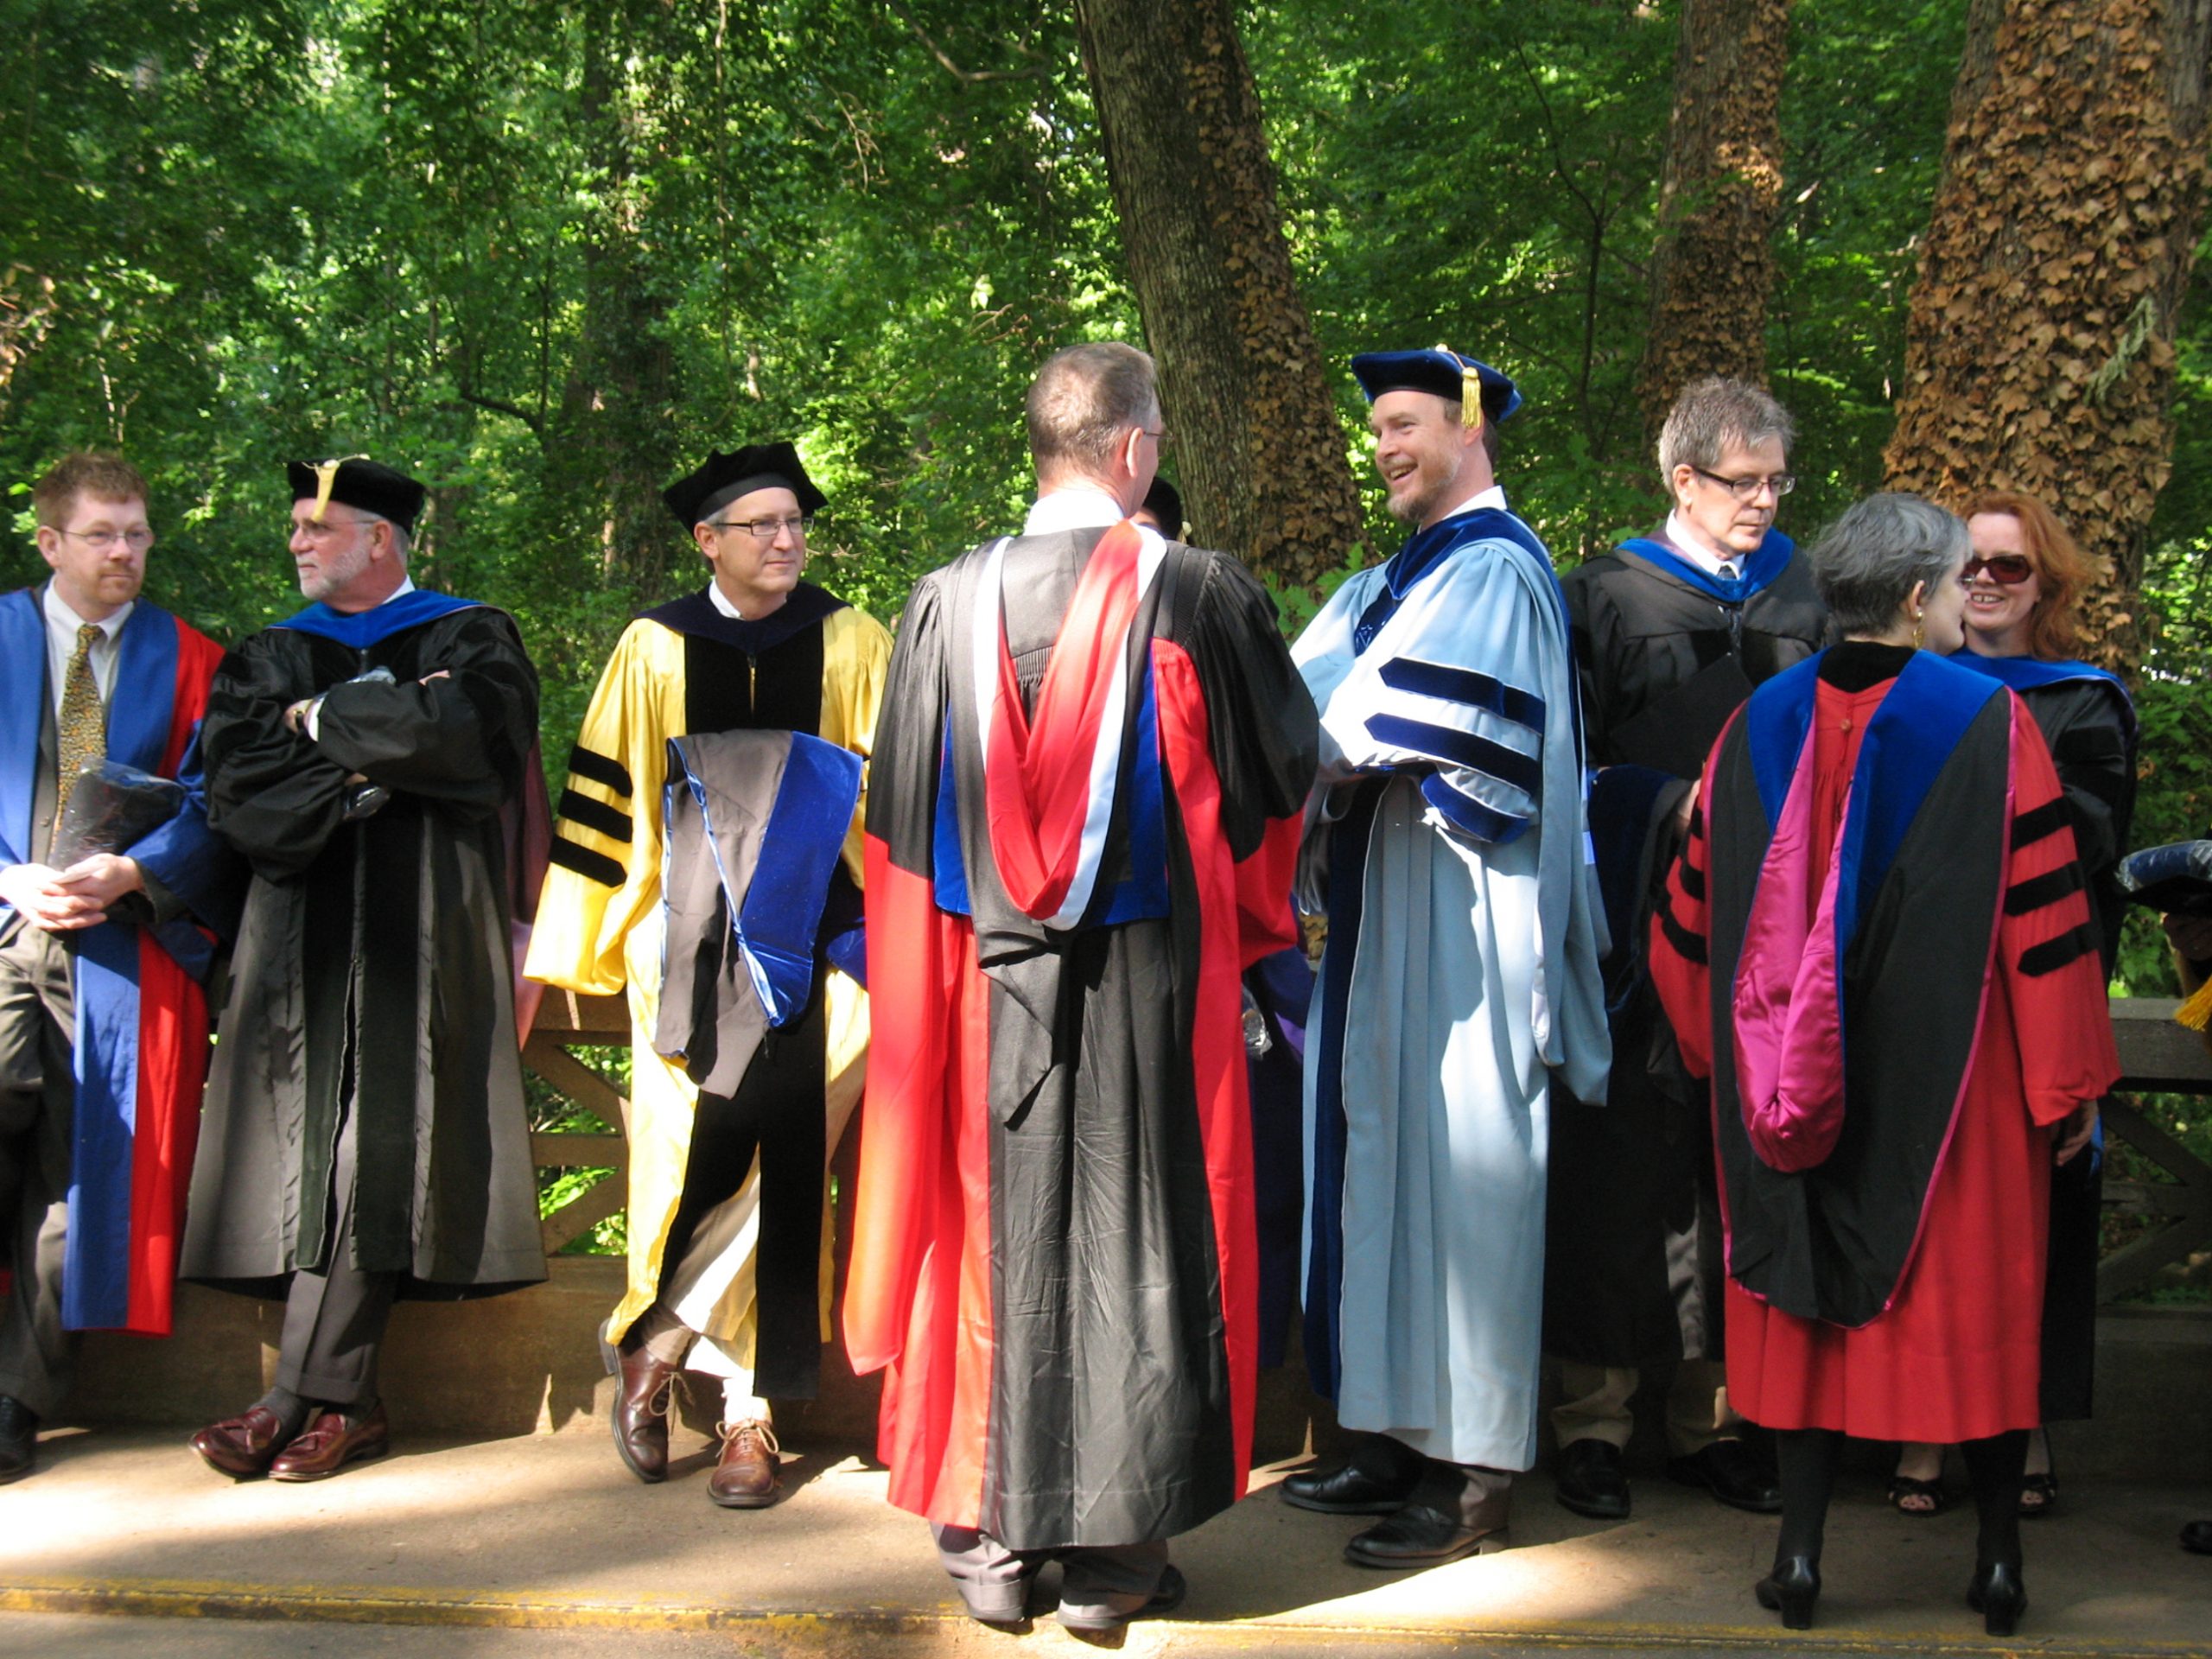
[{"x": 461, "y": 1549}]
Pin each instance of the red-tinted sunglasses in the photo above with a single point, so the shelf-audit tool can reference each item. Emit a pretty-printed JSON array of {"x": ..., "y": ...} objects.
[{"x": 2009, "y": 569}]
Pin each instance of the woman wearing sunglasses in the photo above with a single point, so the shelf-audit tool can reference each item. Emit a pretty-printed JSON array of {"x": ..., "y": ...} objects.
[{"x": 2023, "y": 582}]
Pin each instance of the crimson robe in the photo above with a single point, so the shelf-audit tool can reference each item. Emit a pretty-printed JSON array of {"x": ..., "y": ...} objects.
[{"x": 1885, "y": 1160}]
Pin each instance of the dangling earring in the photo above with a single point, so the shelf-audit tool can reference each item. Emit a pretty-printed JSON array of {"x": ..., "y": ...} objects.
[{"x": 1919, "y": 631}]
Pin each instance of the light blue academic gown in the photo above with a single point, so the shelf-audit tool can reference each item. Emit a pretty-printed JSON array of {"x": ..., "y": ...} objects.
[{"x": 1448, "y": 846}]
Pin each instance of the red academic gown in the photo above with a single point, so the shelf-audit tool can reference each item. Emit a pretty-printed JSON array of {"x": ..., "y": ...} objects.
[
  {"x": 1054, "y": 1257},
  {"x": 1948, "y": 1348}
]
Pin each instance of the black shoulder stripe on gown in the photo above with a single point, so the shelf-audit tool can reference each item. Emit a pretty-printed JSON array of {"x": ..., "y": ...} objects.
[
  {"x": 592, "y": 867},
  {"x": 600, "y": 768},
  {"x": 2053, "y": 954},
  {"x": 2038, "y": 891}
]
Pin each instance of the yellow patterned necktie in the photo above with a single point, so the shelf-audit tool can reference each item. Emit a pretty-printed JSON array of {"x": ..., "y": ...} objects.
[{"x": 83, "y": 732}]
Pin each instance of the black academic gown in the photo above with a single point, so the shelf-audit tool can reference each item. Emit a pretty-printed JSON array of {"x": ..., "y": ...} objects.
[
  {"x": 2090, "y": 731},
  {"x": 1633, "y": 1267},
  {"x": 373, "y": 971}
]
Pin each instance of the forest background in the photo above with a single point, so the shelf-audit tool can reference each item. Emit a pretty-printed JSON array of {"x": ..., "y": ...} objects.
[{"x": 545, "y": 254}]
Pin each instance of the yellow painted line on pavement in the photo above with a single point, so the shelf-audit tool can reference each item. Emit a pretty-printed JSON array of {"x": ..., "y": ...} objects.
[{"x": 489, "y": 1610}]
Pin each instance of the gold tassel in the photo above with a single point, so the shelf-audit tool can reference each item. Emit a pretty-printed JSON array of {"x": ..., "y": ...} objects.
[
  {"x": 1471, "y": 391},
  {"x": 2196, "y": 1013},
  {"x": 326, "y": 480}
]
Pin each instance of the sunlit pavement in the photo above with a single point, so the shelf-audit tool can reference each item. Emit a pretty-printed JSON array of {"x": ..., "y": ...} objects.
[{"x": 124, "y": 1544}]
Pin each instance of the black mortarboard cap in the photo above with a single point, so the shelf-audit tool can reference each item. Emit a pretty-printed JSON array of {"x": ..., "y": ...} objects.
[
  {"x": 721, "y": 479},
  {"x": 1441, "y": 371},
  {"x": 357, "y": 481},
  {"x": 1165, "y": 502}
]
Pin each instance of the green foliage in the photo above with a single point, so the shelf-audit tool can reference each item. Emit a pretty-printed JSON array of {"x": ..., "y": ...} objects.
[
  {"x": 545, "y": 255},
  {"x": 1485, "y": 175},
  {"x": 1864, "y": 113},
  {"x": 535, "y": 253}
]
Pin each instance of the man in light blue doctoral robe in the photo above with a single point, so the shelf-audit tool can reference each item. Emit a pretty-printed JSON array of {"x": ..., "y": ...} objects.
[{"x": 1447, "y": 846}]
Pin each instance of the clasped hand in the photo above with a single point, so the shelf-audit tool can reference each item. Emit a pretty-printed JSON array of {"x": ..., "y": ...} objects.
[
  {"x": 2074, "y": 1132},
  {"x": 62, "y": 901}
]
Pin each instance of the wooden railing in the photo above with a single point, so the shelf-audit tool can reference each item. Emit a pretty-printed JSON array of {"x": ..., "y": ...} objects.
[
  {"x": 564, "y": 1020},
  {"x": 2156, "y": 1055}
]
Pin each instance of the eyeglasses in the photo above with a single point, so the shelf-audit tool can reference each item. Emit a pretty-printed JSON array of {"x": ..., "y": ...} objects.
[
  {"x": 1159, "y": 437},
  {"x": 321, "y": 530},
  {"x": 100, "y": 540},
  {"x": 764, "y": 529},
  {"x": 2007, "y": 570},
  {"x": 1751, "y": 484}
]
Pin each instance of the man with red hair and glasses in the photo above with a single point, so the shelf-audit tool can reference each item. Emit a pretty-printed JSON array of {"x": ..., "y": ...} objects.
[
  {"x": 1081, "y": 823},
  {"x": 102, "y": 1017}
]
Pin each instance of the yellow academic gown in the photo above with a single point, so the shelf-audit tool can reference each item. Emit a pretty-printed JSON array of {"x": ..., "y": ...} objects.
[{"x": 815, "y": 665}]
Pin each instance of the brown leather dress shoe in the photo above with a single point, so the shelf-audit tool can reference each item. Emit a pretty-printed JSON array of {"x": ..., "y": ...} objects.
[
  {"x": 243, "y": 1446},
  {"x": 330, "y": 1444},
  {"x": 745, "y": 1476},
  {"x": 641, "y": 1408}
]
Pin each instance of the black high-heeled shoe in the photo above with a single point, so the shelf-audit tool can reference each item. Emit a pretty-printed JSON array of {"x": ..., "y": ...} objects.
[
  {"x": 1997, "y": 1594},
  {"x": 1791, "y": 1589}
]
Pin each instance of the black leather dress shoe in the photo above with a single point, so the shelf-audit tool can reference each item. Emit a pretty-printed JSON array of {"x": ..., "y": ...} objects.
[
  {"x": 1733, "y": 1473},
  {"x": 1418, "y": 1535},
  {"x": 2197, "y": 1536},
  {"x": 1375, "y": 1480},
  {"x": 1591, "y": 1481},
  {"x": 18, "y": 1439}
]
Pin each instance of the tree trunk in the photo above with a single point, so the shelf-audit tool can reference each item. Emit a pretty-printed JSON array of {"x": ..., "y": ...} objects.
[
  {"x": 1262, "y": 457},
  {"x": 1712, "y": 263},
  {"x": 2039, "y": 351}
]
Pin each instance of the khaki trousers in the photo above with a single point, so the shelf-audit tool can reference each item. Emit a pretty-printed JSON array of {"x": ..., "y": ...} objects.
[{"x": 1594, "y": 1402}]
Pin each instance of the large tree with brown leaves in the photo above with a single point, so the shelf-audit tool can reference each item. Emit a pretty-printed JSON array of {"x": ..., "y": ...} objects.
[
  {"x": 1712, "y": 265},
  {"x": 2039, "y": 353},
  {"x": 1263, "y": 465}
]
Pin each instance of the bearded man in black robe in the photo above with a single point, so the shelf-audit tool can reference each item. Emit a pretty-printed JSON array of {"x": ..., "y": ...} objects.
[
  {"x": 1671, "y": 632},
  {"x": 365, "y": 1136}
]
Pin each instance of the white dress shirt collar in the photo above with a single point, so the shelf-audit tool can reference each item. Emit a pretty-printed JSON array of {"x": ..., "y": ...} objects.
[
  {"x": 1679, "y": 538},
  {"x": 1079, "y": 507},
  {"x": 1492, "y": 496},
  {"x": 61, "y": 627},
  {"x": 722, "y": 602},
  {"x": 60, "y": 617}
]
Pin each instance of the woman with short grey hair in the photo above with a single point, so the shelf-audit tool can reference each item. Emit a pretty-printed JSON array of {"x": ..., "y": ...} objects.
[
  {"x": 1877, "y": 945},
  {"x": 1894, "y": 557}
]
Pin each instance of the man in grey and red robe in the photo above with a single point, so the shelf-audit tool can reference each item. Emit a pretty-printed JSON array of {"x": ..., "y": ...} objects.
[{"x": 1081, "y": 824}]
